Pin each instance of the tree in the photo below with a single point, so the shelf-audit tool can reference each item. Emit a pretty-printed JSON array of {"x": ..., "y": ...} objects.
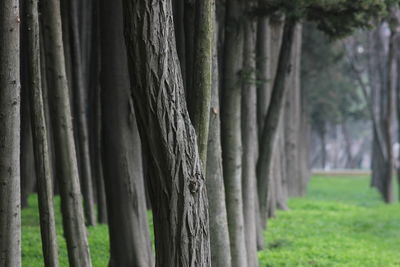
[
  {"x": 122, "y": 158},
  {"x": 249, "y": 139},
  {"x": 10, "y": 217},
  {"x": 230, "y": 129},
  {"x": 71, "y": 199},
  {"x": 177, "y": 186},
  {"x": 40, "y": 143}
]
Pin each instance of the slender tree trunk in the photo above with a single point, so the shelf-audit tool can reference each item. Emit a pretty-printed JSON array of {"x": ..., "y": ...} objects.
[
  {"x": 230, "y": 129},
  {"x": 80, "y": 96},
  {"x": 249, "y": 140},
  {"x": 219, "y": 234},
  {"x": 178, "y": 193},
  {"x": 272, "y": 119},
  {"x": 122, "y": 158},
  {"x": 10, "y": 89},
  {"x": 40, "y": 144},
  {"x": 71, "y": 199},
  {"x": 199, "y": 109}
]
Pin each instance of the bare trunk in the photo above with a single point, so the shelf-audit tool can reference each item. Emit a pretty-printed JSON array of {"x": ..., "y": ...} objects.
[
  {"x": 71, "y": 199},
  {"x": 40, "y": 144},
  {"x": 80, "y": 97},
  {"x": 249, "y": 140},
  {"x": 177, "y": 186},
  {"x": 122, "y": 157},
  {"x": 272, "y": 119},
  {"x": 230, "y": 129},
  {"x": 10, "y": 89},
  {"x": 219, "y": 234}
]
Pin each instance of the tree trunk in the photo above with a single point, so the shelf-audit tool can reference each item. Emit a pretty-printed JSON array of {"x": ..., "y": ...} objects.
[
  {"x": 249, "y": 140},
  {"x": 71, "y": 199},
  {"x": 122, "y": 158},
  {"x": 219, "y": 234},
  {"x": 200, "y": 92},
  {"x": 40, "y": 144},
  {"x": 177, "y": 186},
  {"x": 10, "y": 89},
  {"x": 230, "y": 129},
  {"x": 272, "y": 119},
  {"x": 80, "y": 97}
]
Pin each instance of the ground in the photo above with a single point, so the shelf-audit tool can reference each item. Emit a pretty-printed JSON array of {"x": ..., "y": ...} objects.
[{"x": 341, "y": 222}]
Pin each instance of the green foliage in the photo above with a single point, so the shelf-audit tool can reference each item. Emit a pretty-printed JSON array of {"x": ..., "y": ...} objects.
[
  {"x": 342, "y": 222},
  {"x": 337, "y": 18},
  {"x": 332, "y": 94}
]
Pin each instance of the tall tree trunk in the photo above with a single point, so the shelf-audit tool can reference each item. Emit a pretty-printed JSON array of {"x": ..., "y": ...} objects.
[
  {"x": 122, "y": 158},
  {"x": 40, "y": 144},
  {"x": 249, "y": 140},
  {"x": 80, "y": 97},
  {"x": 230, "y": 129},
  {"x": 264, "y": 81},
  {"x": 179, "y": 15},
  {"x": 10, "y": 89},
  {"x": 219, "y": 234},
  {"x": 178, "y": 192},
  {"x": 200, "y": 91},
  {"x": 272, "y": 119},
  {"x": 71, "y": 199}
]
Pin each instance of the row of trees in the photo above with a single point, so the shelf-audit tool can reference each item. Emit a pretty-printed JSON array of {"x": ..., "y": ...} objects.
[{"x": 192, "y": 109}]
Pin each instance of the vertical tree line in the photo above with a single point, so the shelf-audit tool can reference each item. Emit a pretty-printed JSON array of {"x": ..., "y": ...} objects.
[{"x": 189, "y": 110}]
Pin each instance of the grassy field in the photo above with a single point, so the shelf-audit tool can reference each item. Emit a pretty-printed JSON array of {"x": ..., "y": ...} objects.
[{"x": 341, "y": 222}]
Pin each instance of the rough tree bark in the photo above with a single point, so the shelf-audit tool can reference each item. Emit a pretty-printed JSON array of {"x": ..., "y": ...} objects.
[
  {"x": 249, "y": 140},
  {"x": 40, "y": 143},
  {"x": 71, "y": 199},
  {"x": 219, "y": 234},
  {"x": 230, "y": 129},
  {"x": 272, "y": 118},
  {"x": 177, "y": 186},
  {"x": 10, "y": 89},
  {"x": 122, "y": 158}
]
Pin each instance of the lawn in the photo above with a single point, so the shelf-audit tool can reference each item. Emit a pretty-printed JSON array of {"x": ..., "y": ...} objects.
[{"x": 341, "y": 222}]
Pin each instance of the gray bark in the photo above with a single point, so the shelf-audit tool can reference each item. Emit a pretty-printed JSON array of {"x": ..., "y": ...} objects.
[
  {"x": 122, "y": 158},
  {"x": 79, "y": 99},
  {"x": 177, "y": 186},
  {"x": 230, "y": 129},
  {"x": 272, "y": 119},
  {"x": 249, "y": 140},
  {"x": 219, "y": 234},
  {"x": 199, "y": 110},
  {"x": 10, "y": 89},
  {"x": 40, "y": 144},
  {"x": 71, "y": 199}
]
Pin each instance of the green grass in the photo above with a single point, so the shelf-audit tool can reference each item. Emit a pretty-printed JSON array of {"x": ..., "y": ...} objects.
[{"x": 341, "y": 222}]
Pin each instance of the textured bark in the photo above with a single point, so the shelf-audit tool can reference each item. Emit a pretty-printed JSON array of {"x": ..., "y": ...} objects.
[
  {"x": 230, "y": 129},
  {"x": 40, "y": 144},
  {"x": 272, "y": 119},
  {"x": 219, "y": 234},
  {"x": 199, "y": 109},
  {"x": 10, "y": 89},
  {"x": 179, "y": 12},
  {"x": 177, "y": 186},
  {"x": 79, "y": 98},
  {"x": 249, "y": 140},
  {"x": 189, "y": 17},
  {"x": 71, "y": 199},
  {"x": 122, "y": 158}
]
